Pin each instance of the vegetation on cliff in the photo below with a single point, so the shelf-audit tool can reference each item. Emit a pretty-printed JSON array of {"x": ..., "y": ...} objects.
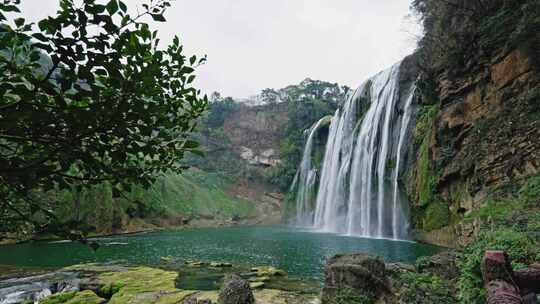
[{"x": 476, "y": 168}]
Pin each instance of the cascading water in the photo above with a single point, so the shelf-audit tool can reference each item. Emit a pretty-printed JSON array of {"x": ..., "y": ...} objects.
[
  {"x": 359, "y": 184},
  {"x": 306, "y": 178}
]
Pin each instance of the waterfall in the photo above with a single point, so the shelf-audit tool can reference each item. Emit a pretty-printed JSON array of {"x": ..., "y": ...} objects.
[
  {"x": 306, "y": 178},
  {"x": 359, "y": 182}
]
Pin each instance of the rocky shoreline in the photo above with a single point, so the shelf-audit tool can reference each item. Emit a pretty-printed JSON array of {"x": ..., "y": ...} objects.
[
  {"x": 171, "y": 282},
  {"x": 353, "y": 278}
]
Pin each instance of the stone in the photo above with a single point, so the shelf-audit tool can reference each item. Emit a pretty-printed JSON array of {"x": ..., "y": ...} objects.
[
  {"x": 235, "y": 290},
  {"x": 359, "y": 274}
]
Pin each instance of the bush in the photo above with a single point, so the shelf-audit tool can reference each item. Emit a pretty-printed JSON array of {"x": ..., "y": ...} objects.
[
  {"x": 424, "y": 288},
  {"x": 349, "y": 296},
  {"x": 529, "y": 194},
  {"x": 520, "y": 248}
]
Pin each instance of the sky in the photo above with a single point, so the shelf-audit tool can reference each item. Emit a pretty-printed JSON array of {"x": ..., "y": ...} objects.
[{"x": 256, "y": 44}]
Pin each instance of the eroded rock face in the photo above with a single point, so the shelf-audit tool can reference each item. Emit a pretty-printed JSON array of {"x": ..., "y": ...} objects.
[
  {"x": 358, "y": 275},
  {"x": 484, "y": 138},
  {"x": 235, "y": 291},
  {"x": 255, "y": 132}
]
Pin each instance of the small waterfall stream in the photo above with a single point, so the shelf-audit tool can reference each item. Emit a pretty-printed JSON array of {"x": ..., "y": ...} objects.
[
  {"x": 359, "y": 182},
  {"x": 306, "y": 178}
]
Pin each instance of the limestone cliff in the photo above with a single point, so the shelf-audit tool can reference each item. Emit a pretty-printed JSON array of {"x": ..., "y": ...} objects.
[
  {"x": 477, "y": 133},
  {"x": 255, "y": 132}
]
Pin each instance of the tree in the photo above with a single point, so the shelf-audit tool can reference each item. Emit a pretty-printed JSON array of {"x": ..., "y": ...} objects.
[{"x": 89, "y": 96}]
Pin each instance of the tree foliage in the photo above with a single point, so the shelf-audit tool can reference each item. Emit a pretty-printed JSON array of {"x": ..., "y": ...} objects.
[
  {"x": 458, "y": 33},
  {"x": 87, "y": 96},
  {"x": 308, "y": 102}
]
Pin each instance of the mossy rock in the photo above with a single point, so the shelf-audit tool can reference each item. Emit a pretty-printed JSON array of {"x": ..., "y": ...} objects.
[
  {"x": 143, "y": 285},
  {"x": 82, "y": 297}
]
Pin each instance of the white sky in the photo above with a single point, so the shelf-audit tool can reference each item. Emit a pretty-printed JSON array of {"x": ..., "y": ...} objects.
[{"x": 257, "y": 44}]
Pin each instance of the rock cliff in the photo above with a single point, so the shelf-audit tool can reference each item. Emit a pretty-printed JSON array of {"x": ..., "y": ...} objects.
[{"x": 478, "y": 124}]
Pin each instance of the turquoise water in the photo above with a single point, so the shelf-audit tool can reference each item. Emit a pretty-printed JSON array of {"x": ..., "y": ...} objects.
[{"x": 302, "y": 254}]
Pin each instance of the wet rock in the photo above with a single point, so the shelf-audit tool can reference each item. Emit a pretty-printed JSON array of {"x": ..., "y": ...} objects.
[
  {"x": 356, "y": 277},
  {"x": 235, "y": 291}
]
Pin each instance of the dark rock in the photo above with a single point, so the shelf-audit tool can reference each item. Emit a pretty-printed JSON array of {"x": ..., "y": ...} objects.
[
  {"x": 442, "y": 264},
  {"x": 235, "y": 291},
  {"x": 400, "y": 267},
  {"x": 360, "y": 275}
]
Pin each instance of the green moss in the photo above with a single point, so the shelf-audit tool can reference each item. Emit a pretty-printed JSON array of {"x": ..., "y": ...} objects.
[
  {"x": 427, "y": 176},
  {"x": 437, "y": 215},
  {"x": 143, "y": 285},
  {"x": 493, "y": 211},
  {"x": 59, "y": 298},
  {"x": 529, "y": 194},
  {"x": 82, "y": 297},
  {"x": 424, "y": 122},
  {"x": 501, "y": 211}
]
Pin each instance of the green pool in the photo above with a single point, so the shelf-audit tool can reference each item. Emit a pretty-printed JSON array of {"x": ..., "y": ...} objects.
[{"x": 301, "y": 253}]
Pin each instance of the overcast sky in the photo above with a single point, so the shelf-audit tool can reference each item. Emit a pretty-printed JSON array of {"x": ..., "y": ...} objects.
[{"x": 257, "y": 44}]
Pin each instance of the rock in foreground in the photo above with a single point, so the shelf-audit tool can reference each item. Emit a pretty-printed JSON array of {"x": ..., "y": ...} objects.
[
  {"x": 235, "y": 291},
  {"x": 355, "y": 278}
]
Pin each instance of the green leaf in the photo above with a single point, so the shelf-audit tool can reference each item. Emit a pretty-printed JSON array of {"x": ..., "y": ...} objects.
[
  {"x": 40, "y": 37},
  {"x": 123, "y": 6},
  {"x": 198, "y": 152},
  {"x": 10, "y": 8},
  {"x": 19, "y": 22},
  {"x": 112, "y": 7},
  {"x": 190, "y": 144},
  {"x": 158, "y": 17}
]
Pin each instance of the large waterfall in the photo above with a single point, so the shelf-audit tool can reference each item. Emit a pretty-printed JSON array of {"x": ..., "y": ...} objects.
[{"x": 359, "y": 191}]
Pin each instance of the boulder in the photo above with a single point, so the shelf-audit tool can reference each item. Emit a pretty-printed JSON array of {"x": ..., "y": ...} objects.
[
  {"x": 355, "y": 276},
  {"x": 235, "y": 290}
]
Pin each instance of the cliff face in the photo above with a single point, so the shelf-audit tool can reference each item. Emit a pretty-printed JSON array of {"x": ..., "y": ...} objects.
[
  {"x": 476, "y": 140},
  {"x": 255, "y": 132},
  {"x": 484, "y": 140}
]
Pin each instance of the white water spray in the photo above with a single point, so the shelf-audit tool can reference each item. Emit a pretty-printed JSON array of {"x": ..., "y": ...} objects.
[{"x": 359, "y": 183}]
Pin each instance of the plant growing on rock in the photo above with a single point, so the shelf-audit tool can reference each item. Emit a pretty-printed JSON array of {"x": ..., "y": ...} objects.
[{"x": 521, "y": 249}]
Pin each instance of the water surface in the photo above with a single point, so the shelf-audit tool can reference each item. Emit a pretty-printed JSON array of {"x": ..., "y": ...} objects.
[{"x": 302, "y": 254}]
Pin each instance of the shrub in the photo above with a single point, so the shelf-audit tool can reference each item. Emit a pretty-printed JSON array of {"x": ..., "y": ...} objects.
[
  {"x": 520, "y": 248},
  {"x": 424, "y": 288}
]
